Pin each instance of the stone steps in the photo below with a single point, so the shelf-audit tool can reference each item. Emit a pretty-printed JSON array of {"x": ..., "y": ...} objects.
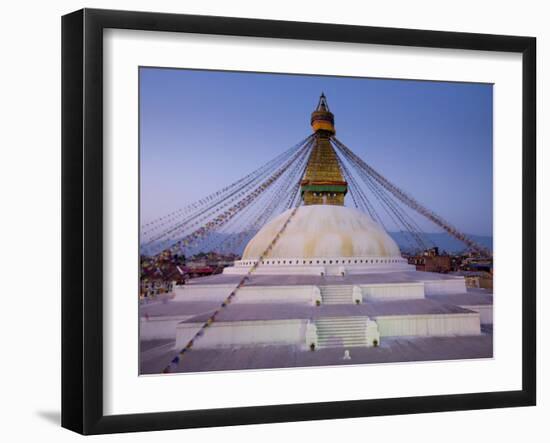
[
  {"x": 337, "y": 295},
  {"x": 341, "y": 332}
]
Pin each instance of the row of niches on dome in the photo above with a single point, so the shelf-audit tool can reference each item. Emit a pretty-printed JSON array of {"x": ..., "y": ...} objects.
[
  {"x": 321, "y": 265},
  {"x": 325, "y": 261}
]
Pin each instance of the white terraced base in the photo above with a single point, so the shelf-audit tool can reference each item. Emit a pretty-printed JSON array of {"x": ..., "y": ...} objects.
[
  {"x": 334, "y": 332},
  {"x": 337, "y": 295}
]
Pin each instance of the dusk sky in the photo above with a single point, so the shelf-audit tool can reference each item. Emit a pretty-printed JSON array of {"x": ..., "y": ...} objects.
[{"x": 202, "y": 130}]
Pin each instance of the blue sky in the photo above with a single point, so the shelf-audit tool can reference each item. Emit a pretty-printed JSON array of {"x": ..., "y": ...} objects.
[{"x": 201, "y": 130}]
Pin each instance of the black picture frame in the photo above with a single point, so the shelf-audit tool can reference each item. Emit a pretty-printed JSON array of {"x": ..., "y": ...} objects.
[{"x": 82, "y": 218}]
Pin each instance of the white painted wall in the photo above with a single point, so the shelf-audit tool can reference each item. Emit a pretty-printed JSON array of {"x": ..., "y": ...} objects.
[
  {"x": 442, "y": 287},
  {"x": 30, "y": 184},
  {"x": 159, "y": 328},
  {"x": 277, "y": 294},
  {"x": 203, "y": 293},
  {"x": 314, "y": 269},
  {"x": 393, "y": 291},
  {"x": 250, "y": 294},
  {"x": 428, "y": 325},
  {"x": 244, "y": 333},
  {"x": 276, "y": 270},
  {"x": 485, "y": 313}
]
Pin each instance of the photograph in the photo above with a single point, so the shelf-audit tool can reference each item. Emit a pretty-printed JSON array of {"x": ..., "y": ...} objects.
[{"x": 298, "y": 220}]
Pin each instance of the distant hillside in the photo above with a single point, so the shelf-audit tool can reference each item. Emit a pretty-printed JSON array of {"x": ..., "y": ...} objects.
[{"x": 443, "y": 240}]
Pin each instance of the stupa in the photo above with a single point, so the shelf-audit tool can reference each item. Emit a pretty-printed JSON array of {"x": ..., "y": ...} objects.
[{"x": 325, "y": 276}]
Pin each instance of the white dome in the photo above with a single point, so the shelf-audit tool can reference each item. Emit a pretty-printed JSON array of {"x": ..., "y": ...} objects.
[{"x": 323, "y": 231}]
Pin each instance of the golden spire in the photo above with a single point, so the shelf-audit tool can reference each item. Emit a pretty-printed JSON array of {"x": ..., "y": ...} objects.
[
  {"x": 323, "y": 182},
  {"x": 322, "y": 119}
]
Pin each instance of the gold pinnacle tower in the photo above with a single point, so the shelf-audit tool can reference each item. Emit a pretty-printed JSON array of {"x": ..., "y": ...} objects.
[{"x": 323, "y": 183}]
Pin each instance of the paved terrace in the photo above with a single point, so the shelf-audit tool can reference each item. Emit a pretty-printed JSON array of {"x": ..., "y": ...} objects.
[
  {"x": 474, "y": 297},
  {"x": 198, "y": 311},
  {"x": 391, "y": 350}
]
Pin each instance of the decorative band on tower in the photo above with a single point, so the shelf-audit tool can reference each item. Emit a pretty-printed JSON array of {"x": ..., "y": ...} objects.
[
  {"x": 322, "y": 120},
  {"x": 323, "y": 182}
]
